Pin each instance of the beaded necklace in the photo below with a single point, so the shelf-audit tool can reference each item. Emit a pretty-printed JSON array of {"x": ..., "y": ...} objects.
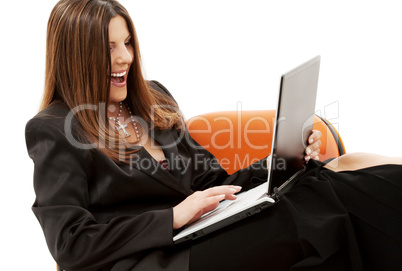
[{"x": 120, "y": 126}]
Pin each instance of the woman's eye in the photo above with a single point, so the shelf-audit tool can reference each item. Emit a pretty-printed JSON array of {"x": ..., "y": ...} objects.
[{"x": 128, "y": 43}]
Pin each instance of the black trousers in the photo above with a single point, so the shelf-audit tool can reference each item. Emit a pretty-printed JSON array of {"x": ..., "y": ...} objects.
[{"x": 329, "y": 221}]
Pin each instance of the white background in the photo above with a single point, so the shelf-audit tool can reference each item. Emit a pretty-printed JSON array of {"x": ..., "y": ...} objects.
[{"x": 212, "y": 54}]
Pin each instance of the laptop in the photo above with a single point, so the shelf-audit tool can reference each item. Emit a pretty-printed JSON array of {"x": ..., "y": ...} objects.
[{"x": 294, "y": 120}]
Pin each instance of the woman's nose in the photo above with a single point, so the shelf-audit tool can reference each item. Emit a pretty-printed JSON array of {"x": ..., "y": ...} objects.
[{"x": 125, "y": 55}]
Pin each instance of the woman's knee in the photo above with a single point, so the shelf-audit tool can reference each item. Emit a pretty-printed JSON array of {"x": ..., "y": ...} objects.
[{"x": 355, "y": 161}]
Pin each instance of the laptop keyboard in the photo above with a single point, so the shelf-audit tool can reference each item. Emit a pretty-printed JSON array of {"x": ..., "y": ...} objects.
[{"x": 243, "y": 199}]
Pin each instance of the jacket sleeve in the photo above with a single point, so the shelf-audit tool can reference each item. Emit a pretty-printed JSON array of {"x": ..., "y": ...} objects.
[{"x": 74, "y": 237}]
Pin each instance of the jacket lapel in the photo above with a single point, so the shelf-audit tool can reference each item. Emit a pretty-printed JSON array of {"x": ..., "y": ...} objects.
[
  {"x": 169, "y": 146},
  {"x": 151, "y": 167}
]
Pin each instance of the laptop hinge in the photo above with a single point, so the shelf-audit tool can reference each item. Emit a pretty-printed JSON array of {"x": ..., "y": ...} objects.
[{"x": 288, "y": 185}]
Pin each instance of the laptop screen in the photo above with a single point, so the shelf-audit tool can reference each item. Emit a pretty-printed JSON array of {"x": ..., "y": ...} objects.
[{"x": 293, "y": 121}]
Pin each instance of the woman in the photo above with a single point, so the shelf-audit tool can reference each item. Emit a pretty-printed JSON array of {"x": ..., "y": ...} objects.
[{"x": 116, "y": 172}]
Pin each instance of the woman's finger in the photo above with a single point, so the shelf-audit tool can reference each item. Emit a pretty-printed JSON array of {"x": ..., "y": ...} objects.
[
  {"x": 206, "y": 198},
  {"x": 218, "y": 190},
  {"x": 313, "y": 155},
  {"x": 313, "y": 147},
  {"x": 315, "y": 136}
]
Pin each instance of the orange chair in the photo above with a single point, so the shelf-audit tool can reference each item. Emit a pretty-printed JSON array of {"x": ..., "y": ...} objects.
[{"x": 239, "y": 138}]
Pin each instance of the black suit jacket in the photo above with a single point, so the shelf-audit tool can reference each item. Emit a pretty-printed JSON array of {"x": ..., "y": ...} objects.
[{"x": 98, "y": 215}]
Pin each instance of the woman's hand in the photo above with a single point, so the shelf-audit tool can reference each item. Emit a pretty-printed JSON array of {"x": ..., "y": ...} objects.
[
  {"x": 313, "y": 149},
  {"x": 201, "y": 202}
]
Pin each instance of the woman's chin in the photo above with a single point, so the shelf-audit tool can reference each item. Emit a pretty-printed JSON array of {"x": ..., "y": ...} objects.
[{"x": 117, "y": 94}]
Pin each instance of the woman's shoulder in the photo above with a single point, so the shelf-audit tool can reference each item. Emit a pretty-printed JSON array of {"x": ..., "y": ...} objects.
[
  {"x": 57, "y": 114},
  {"x": 55, "y": 127},
  {"x": 161, "y": 88},
  {"x": 56, "y": 119}
]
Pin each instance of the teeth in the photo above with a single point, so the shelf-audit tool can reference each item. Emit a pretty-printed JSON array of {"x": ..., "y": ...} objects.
[{"x": 118, "y": 74}]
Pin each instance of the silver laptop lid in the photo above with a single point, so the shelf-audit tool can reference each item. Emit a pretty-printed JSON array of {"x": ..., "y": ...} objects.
[{"x": 293, "y": 121}]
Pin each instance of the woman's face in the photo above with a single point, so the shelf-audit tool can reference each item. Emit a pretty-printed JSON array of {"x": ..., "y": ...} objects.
[{"x": 122, "y": 54}]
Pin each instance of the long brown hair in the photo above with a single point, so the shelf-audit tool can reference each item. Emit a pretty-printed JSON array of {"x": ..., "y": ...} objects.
[{"x": 78, "y": 67}]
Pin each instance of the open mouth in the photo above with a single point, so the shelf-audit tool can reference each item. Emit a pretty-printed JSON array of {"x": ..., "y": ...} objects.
[{"x": 118, "y": 77}]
